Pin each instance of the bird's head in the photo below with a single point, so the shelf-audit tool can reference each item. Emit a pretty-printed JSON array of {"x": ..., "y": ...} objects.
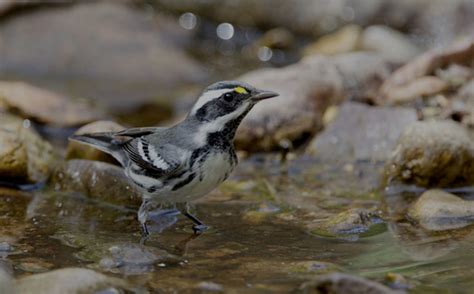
[
  {"x": 222, "y": 106},
  {"x": 226, "y": 101}
]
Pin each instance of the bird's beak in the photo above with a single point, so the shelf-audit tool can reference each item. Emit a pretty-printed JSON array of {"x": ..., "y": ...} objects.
[{"x": 262, "y": 94}]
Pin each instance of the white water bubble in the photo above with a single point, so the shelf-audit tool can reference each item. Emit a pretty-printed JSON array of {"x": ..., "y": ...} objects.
[
  {"x": 264, "y": 53},
  {"x": 26, "y": 123},
  {"x": 188, "y": 20},
  {"x": 225, "y": 31}
]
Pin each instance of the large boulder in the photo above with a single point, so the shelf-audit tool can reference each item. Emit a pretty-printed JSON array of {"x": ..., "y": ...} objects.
[
  {"x": 362, "y": 132},
  {"x": 306, "y": 89},
  {"x": 24, "y": 156},
  {"x": 106, "y": 50},
  {"x": 433, "y": 154}
]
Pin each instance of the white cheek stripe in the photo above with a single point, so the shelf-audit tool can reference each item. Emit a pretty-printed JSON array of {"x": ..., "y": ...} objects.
[
  {"x": 208, "y": 96},
  {"x": 217, "y": 124}
]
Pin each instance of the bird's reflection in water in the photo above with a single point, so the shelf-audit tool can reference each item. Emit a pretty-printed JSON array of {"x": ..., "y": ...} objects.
[{"x": 162, "y": 219}]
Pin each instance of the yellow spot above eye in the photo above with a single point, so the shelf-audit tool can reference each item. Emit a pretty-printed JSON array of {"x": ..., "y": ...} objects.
[{"x": 241, "y": 90}]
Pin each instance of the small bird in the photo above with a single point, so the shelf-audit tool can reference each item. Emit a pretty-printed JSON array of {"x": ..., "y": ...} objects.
[{"x": 184, "y": 162}]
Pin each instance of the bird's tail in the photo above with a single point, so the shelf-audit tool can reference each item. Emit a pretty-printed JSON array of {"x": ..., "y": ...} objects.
[{"x": 103, "y": 141}]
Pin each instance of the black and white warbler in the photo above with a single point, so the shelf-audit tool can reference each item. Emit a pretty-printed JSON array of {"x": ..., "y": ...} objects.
[{"x": 188, "y": 160}]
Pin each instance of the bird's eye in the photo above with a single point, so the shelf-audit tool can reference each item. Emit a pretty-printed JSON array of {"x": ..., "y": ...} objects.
[{"x": 228, "y": 97}]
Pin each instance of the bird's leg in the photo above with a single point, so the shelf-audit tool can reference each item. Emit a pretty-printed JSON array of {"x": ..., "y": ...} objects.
[
  {"x": 199, "y": 226},
  {"x": 142, "y": 217}
]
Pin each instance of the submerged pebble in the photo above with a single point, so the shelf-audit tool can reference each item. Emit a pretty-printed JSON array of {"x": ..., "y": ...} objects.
[
  {"x": 131, "y": 258},
  {"x": 436, "y": 210},
  {"x": 351, "y": 224}
]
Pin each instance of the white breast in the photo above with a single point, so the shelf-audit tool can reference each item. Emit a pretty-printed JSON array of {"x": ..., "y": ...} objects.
[{"x": 215, "y": 169}]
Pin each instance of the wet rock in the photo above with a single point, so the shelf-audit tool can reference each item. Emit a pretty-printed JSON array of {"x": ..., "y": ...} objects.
[
  {"x": 67, "y": 280},
  {"x": 82, "y": 151},
  {"x": 344, "y": 40},
  {"x": 389, "y": 43},
  {"x": 433, "y": 154},
  {"x": 306, "y": 89},
  {"x": 96, "y": 179},
  {"x": 416, "y": 78},
  {"x": 44, "y": 106},
  {"x": 141, "y": 60},
  {"x": 350, "y": 223},
  {"x": 414, "y": 242},
  {"x": 24, "y": 156},
  {"x": 436, "y": 210},
  {"x": 362, "y": 132},
  {"x": 339, "y": 283}
]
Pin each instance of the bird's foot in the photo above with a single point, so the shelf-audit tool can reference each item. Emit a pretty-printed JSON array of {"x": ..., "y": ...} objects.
[{"x": 199, "y": 229}]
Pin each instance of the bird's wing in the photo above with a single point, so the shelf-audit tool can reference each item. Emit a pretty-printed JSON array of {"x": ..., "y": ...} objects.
[
  {"x": 157, "y": 160},
  {"x": 138, "y": 132},
  {"x": 132, "y": 145}
]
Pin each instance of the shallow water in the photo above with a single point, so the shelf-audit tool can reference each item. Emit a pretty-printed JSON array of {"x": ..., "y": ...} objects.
[{"x": 259, "y": 239}]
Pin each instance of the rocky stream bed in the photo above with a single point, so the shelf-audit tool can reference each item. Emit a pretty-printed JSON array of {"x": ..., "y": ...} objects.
[{"x": 359, "y": 178}]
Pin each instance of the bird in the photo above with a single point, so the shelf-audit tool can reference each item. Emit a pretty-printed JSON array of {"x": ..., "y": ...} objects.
[{"x": 184, "y": 162}]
